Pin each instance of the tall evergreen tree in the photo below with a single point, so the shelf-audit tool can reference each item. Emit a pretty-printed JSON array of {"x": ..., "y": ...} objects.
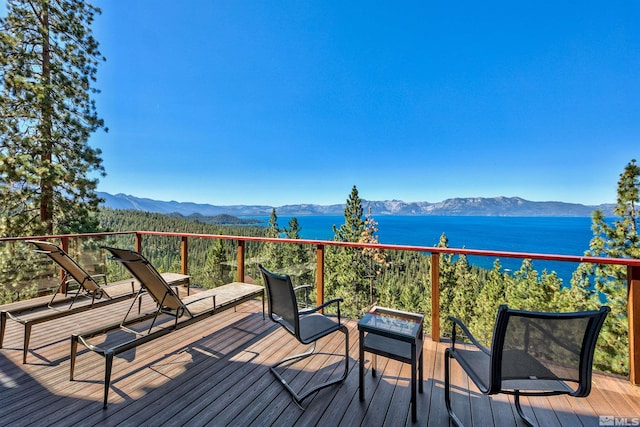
[
  {"x": 297, "y": 256},
  {"x": 48, "y": 64},
  {"x": 618, "y": 239},
  {"x": 346, "y": 271},
  {"x": 216, "y": 256},
  {"x": 353, "y": 226},
  {"x": 374, "y": 259},
  {"x": 492, "y": 294},
  {"x": 273, "y": 252}
]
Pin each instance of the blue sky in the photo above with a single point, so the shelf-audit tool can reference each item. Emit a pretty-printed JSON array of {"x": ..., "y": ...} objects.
[{"x": 285, "y": 102}]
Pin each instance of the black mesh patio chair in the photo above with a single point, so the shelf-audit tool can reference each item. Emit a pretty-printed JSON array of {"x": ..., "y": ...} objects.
[
  {"x": 531, "y": 354},
  {"x": 307, "y": 326}
]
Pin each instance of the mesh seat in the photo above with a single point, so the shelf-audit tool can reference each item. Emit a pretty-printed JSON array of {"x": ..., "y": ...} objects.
[
  {"x": 532, "y": 354},
  {"x": 307, "y": 326}
]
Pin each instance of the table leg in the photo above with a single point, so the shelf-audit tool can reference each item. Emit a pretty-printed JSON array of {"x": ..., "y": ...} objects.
[
  {"x": 374, "y": 364},
  {"x": 414, "y": 411},
  {"x": 421, "y": 369},
  {"x": 361, "y": 368}
]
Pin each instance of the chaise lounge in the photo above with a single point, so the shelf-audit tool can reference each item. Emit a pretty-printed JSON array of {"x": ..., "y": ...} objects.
[
  {"x": 89, "y": 295},
  {"x": 184, "y": 312}
]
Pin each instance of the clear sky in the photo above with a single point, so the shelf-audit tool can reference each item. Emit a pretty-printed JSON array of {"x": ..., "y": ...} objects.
[{"x": 287, "y": 101}]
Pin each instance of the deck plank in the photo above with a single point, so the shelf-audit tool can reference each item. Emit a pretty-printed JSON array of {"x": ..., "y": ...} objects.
[{"x": 217, "y": 373}]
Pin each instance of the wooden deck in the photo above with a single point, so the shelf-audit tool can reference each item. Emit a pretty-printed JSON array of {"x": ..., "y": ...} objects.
[{"x": 216, "y": 373}]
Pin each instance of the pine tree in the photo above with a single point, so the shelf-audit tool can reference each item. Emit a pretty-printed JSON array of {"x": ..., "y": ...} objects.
[
  {"x": 48, "y": 63},
  {"x": 351, "y": 230},
  {"x": 273, "y": 252},
  {"x": 346, "y": 269},
  {"x": 492, "y": 294},
  {"x": 297, "y": 257},
  {"x": 465, "y": 284},
  {"x": 595, "y": 282},
  {"x": 447, "y": 281},
  {"x": 532, "y": 290},
  {"x": 374, "y": 259},
  {"x": 216, "y": 256}
]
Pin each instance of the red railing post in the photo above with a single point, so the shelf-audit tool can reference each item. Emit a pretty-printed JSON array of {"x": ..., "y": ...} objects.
[
  {"x": 435, "y": 297},
  {"x": 241, "y": 260},
  {"x": 319, "y": 275},
  {"x": 138, "y": 242},
  {"x": 184, "y": 254},
  {"x": 633, "y": 313}
]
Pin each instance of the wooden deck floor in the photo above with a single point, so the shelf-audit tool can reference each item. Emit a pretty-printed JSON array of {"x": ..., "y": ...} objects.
[{"x": 216, "y": 373}]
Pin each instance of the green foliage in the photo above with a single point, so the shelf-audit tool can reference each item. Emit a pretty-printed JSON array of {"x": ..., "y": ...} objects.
[
  {"x": 18, "y": 268},
  {"x": 211, "y": 262},
  {"x": 352, "y": 270},
  {"x": 399, "y": 279},
  {"x": 273, "y": 253},
  {"x": 48, "y": 63},
  {"x": 353, "y": 226},
  {"x": 609, "y": 282},
  {"x": 292, "y": 259},
  {"x": 298, "y": 258},
  {"x": 491, "y": 295}
]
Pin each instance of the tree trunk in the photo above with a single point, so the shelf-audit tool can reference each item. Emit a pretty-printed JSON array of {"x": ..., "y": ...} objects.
[{"x": 46, "y": 186}]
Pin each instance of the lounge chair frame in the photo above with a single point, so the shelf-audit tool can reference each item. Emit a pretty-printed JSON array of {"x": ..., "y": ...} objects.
[
  {"x": 531, "y": 374},
  {"x": 24, "y": 312},
  {"x": 167, "y": 302},
  {"x": 283, "y": 309}
]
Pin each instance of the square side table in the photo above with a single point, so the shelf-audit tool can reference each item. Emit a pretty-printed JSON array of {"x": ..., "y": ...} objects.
[{"x": 396, "y": 335}]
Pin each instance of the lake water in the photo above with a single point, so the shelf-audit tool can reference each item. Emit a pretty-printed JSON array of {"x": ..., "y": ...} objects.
[{"x": 546, "y": 235}]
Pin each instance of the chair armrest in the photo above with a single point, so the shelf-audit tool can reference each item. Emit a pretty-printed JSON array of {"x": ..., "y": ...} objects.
[
  {"x": 320, "y": 307},
  {"x": 467, "y": 333}
]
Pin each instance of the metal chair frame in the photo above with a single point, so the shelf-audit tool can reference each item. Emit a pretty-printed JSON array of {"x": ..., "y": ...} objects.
[
  {"x": 281, "y": 293},
  {"x": 494, "y": 357}
]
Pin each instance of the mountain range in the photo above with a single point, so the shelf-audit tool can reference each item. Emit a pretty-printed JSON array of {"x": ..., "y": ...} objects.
[{"x": 468, "y": 206}]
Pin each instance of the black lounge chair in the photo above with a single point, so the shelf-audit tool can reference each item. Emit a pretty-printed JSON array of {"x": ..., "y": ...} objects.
[
  {"x": 89, "y": 295},
  {"x": 307, "y": 326},
  {"x": 532, "y": 354},
  {"x": 185, "y": 311}
]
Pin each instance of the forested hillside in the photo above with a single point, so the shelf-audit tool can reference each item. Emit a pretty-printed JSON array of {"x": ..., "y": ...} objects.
[
  {"x": 211, "y": 261},
  {"x": 397, "y": 279},
  {"x": 362, "y": 277}
]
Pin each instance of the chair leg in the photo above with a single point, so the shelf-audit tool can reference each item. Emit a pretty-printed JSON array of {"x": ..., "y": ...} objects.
[
  {"x": 299, "y": 397},
  {"x": 108, "y": 363},
  {"x": 526, "y": 419},
  {"x": 27, "y": 338},
  {"x": 3, "y": 325},
  {"x": 74, "y": 352},
  {"x": 447, "y": 389}
]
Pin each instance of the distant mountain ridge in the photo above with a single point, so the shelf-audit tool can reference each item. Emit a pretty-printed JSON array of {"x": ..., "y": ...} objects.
[{"x": 469, "y": 206}]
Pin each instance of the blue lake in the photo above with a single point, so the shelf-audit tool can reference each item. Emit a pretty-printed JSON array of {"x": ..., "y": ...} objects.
[{"x": 546, "y": 235}]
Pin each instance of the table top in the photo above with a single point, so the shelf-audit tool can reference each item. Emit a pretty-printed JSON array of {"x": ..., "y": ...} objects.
[{"x": 391, "y": 322}]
